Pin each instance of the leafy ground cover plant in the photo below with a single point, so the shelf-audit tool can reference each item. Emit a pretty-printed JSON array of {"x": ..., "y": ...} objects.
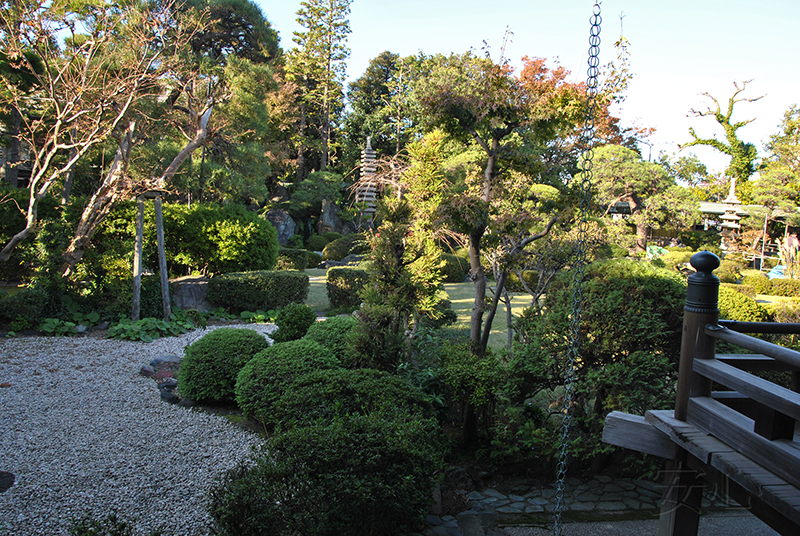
[
  {"x": 211, "y": 364},
  {"x": 147, "y": 329}
]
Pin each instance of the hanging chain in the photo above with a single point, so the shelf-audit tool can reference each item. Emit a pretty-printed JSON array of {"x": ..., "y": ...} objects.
[{"x": 579, "y": 268}]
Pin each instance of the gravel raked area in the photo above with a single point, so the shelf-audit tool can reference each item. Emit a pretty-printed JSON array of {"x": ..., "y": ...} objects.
[{"x": 84, "y": 433}]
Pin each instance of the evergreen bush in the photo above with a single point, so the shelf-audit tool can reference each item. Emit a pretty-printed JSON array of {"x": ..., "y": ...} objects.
[
  {"x": 264, "y": 379},
  {"x": 789, "y": 288},
  {"x": 729, "y": 272},
  {"x": 291, "y": 259},
  {"x": 760, "y": 283},
  {"x": 747, "y": 290},
  {"x": 211, "y": 364},
  {"x": 361, "y": 475},
  {"x": 455, "y": 268},
  {"x": 342, "y": 247},
  {"x": 377, "y": 341},
  {"x": 316, "y": 242},
  {"x": 513, "y": 283},
  {"x": 314, "y": 259},
  {"x": 331, "y": 236},
  {"x": 26, "y": 309},
  {"x": 336, "y": 334},
  {"x": 251, "y": 291},
  {"x": 293, "y": 321},
  {"x": 344, "y": 286},
  {"x": 734, "y": 305}
]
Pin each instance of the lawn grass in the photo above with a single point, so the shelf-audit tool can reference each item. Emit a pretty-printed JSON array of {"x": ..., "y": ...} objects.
[
  {"x": 317, "y": 290},
  {"x": 462, "y": 296}
]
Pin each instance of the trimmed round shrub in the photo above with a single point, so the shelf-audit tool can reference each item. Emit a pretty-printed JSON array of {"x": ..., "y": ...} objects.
[
  {"x": 677, "y": 258},
  {"x": 729, "y": 272},
  {"x": 342, "y": 247},
  {"x": 25, "y": 310},
  {"x": 314, "y": 259},
  {"x": 335, "y": 334},
  {"x": 357, "y": 475},
  {"x": 316, "y": 242},
  {"x": 291, "y": 259},
  {"x": 760, "y": 283},
  {"x": 734, "y": 305},
  {"x": 325, "y": 394},
  {"x": 331, "y": 236},
  {"x": 293, "y": 321},
  {"x": 747, "y": 290},
  {"x": 455, "y": 268},
  {"x": 789, "y": 288},
  {"x": 344, "y": 285},
  {"x": 211, "y": 364},
  {"x": 263, "y": 380}
]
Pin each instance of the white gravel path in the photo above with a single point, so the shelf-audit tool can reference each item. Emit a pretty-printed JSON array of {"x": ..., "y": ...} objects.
[{"x": 84, "y": 433}]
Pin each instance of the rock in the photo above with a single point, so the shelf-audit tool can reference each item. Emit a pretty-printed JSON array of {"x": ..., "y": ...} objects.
[
  {"x": 162, "y": 375},
  {"x": 187, "y": 403},
  {"x": 168, "y": 383},
  {"x": 168, "y": 358},
  {"x": 329, "y": 220},
  {"x": 5, "y": 384},
  {"x": 6, "y": 481},
  {"x": 280, "y": 194},
  {"x": 105, "y": 324},
  {"x": 147, "y": 371},
  {"x": 190, "y": 293},
  {"x": 168, "y": 396},
  {"x": 283, "y": 223},
  {"x": 80, "y": 329}
]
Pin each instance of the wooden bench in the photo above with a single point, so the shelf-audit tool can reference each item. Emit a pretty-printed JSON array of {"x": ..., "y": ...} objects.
[{"x": 730, "y": 429}]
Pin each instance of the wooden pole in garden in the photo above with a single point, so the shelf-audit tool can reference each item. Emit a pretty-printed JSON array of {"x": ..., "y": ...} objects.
[
  {"x": 162, "y": 259},
  {"x": 137, "y": 259}
]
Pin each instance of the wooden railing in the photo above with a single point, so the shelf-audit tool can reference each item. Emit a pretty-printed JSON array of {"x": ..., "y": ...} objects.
[{"x": 730, "y": 428}]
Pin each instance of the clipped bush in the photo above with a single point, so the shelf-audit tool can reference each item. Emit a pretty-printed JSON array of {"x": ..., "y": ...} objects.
[
  {"x": 293, "y": 321},
  {"x": 316, "y": 242},
  {"x": 713, "y": 247},
  {"x": 314, "y": 259},
  {"x": 264, "y": 379},
  {"x": 320, "y": 396},
  {"x": 789, "y": 288},
  {"x": 729, "y": 272},
  {"x": 25, "y": 310},
  {"x": 211, "y": 364},
  {"x": 455, "y": 268},
  {"x": 335, "y": 334},
  {"x": 344, "y": 285},
  {"x": 251, "y": 291},
  {"x": 342, "y": 247},
  {"x": 677, "y": 258},
  {"x": 734, "y": 305},
  {"x": 747, "y": 290},
  {"x": 513, "y": 283},
  {"x": 291, "y": 259},
  {"x": 609, "y": 251},
  {"x": 760, "y": 283},
  {"x": 330, "y": 236},
  {"x": 358, "y": 475}
]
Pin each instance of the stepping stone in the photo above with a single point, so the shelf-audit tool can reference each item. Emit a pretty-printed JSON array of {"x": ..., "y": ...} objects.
[{"x": 6, "y": 481}]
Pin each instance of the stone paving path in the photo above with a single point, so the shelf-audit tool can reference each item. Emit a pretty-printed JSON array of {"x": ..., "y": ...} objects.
[{"x": 601, "y": 495}]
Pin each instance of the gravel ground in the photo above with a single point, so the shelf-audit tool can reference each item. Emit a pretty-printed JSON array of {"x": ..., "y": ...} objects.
[{"x": 85, "y": 434}]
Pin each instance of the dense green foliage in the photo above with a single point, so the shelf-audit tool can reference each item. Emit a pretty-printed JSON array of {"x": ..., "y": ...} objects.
[
  {"x": 786, "y": 287},
  {"x": 336, "y": 334},
  {"x": 211, "y": 364},
  {"x": 760, "y": 283},
  {"x": 342, "y": 247},
  {"x": 251, "y": 291},
  {"x": 363, "y": 475},
  {"x": 292, "y": 259},
  {"x": 377, "y": 342},
  {"x": 293, "y": 321},
  {"x": 264, "y": 379},
  {"x": 455, "y": 268},
  {"x": 344, "y": 285},
  {"x": 734, "y": 305}
]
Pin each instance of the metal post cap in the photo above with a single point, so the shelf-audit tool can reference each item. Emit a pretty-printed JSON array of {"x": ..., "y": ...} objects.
[{"x": 703, "y": 290}]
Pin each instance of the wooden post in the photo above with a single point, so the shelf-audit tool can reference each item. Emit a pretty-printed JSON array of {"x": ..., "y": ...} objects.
[
  {"x": 683, "y": 492},
  {"x": 162, "y": 259},
  {"x": 137, "y": 259}
]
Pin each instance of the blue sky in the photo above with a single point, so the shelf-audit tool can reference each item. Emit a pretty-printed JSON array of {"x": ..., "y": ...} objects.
[{"x": 679, "y": 49}]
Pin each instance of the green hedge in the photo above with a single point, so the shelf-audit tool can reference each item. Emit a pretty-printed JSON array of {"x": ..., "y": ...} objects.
[
  {"x": 357, "y": 475},
  {"x": 734, "y": 305},
  {"x": 336, "y": 334},
  {"x": 342, "y": 247},
  {"x": 747, "y": 290},
  {"x": 344, "y": 285},
  {"x": 251, "y": 291},
  {"x": 265, "y": 378},
  {"x": 760, "y": 283},
  {"x": 293, "y": 321},
  {"x": 314, "y": 259},
  {"x": 316, "y": 242},
  {"x": 292, "y": 259},
  {"x": 789, "y": 288},
  {"x": 455, "y": 268},
  {"x": 211, "y": 364}
]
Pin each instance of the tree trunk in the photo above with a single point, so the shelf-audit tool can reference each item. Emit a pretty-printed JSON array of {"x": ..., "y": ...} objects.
[
  {"x": 137, "y": 260},
  {"x": 641, "y": 237},
  {"x": 301, "y": 159},
  {"x": 479, "y": 279},
  {"x": 12, "y": 156},
  {"x": 66, "y": 191},
  {"x": 101, "y": 204}
]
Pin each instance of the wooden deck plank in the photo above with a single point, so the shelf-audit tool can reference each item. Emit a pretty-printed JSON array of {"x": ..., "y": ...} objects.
[
  {"x": 633, "y": 432},
  {"x": 736, "y": 430},
  {"x": 696, "y": 442},
  {"x": 776, "y": 397},
  {"x": 754, "y": 362}
]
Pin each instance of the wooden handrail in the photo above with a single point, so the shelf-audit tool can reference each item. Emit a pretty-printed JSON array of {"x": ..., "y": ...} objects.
[
  {"x": 761, "y": 327},
  {"x": 784, "y": 355}
]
